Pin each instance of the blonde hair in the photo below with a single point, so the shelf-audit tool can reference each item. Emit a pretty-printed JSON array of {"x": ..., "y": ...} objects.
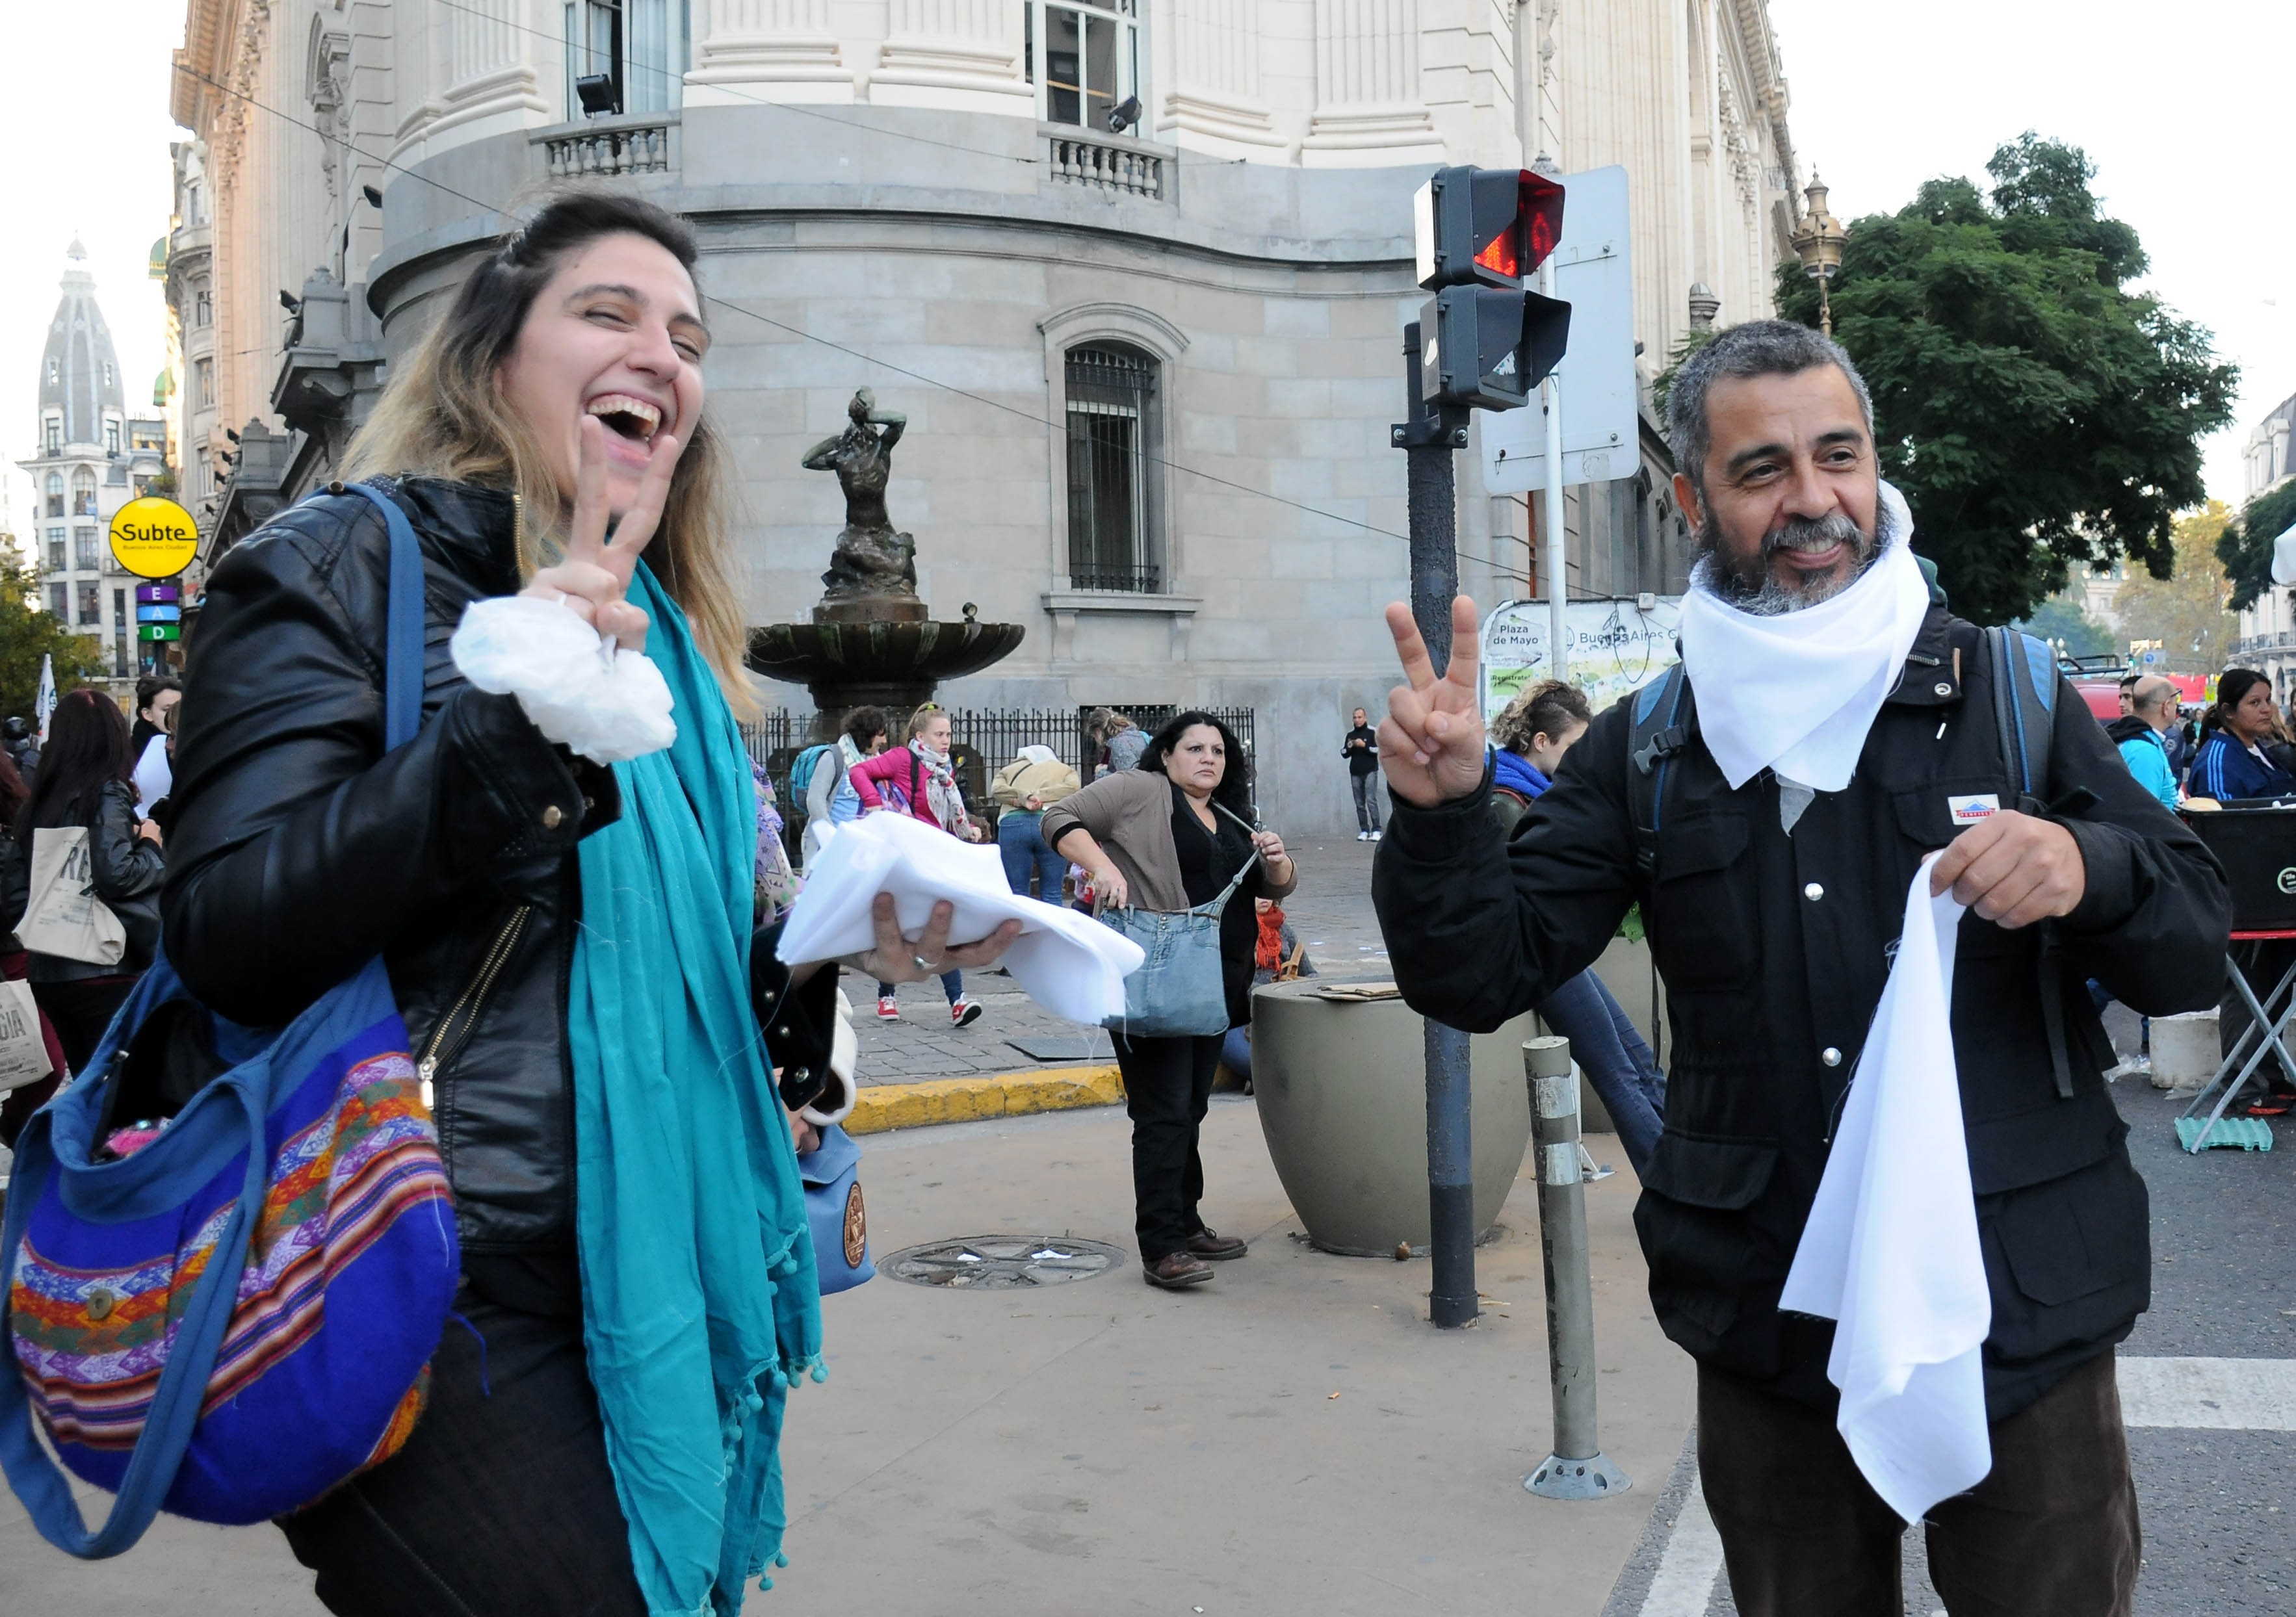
[
  {"x": 922, "y": 717},
  {"x": 443, "y": 415}
]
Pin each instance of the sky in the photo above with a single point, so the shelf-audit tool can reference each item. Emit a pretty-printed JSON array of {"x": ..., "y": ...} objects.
[
  {"x": 2182, "y": 109},
  {"x": 2179, "y": 107}
]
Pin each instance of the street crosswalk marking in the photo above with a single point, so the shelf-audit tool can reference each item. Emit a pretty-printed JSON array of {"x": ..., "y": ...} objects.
[
  {"x": 2196, "y": 1393},
  {"x": 2222, "y": 1395},
  {"x": 1684, "y": 1583}
]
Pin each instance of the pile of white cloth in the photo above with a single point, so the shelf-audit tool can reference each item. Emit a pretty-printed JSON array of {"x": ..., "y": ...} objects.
[
  {"x": 1066, "y": 961},
  {"x": 1890, "y": 1251}
]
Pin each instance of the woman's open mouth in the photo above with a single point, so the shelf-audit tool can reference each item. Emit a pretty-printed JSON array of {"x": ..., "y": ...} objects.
[{"x": 627, "y": 416}]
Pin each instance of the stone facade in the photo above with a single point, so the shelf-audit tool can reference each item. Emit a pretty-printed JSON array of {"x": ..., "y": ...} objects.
[
  {"x": 92, "y": 457},
  {"x": 1149, "y": 373},
  {"x": 2267, "y": 630}
]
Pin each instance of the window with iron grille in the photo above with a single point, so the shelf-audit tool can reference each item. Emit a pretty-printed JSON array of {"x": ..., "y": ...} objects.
[{"x": 1114, "y": 428}]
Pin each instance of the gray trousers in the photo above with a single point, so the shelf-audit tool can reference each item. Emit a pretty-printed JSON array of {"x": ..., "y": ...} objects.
[{"x": 1366, "y": 789}]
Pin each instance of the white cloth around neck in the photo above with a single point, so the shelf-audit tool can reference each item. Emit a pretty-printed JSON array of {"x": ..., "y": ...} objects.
[
  {"x": 1890, "y": 1251},
  {"x": 1067, "y": 962},
  {"x": 1796, "y": 691}
]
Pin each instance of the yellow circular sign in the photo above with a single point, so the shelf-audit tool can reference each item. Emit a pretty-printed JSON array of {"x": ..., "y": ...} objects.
[{"x": 154, "y": 538}]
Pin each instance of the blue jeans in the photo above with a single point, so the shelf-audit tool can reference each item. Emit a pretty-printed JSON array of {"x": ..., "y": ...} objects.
[
  {"x": 1020, "y": 839},
  {"x": 1612, "y": 1055}
]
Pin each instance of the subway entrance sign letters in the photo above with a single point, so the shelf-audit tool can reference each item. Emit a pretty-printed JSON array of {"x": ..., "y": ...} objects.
[
  {"x": 154, "y": 538},
  {"x": 1485, "y": 342}
]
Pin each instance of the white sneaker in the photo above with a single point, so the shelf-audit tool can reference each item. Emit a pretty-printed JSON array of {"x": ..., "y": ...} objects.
[{"x": 1363, "y": 836}]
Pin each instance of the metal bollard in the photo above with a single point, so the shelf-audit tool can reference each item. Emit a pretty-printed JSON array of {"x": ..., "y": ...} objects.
[{"x": 1578, "y": 1469}]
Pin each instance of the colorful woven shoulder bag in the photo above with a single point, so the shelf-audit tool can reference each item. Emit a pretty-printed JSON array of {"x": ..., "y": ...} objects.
[{"x": 239, "y": 1314}]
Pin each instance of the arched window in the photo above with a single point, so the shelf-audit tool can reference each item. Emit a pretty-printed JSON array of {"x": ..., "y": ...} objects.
[
  {"x": 1115, "y": 446},
  {"x": 83, "y": 493},
  {"x": 56, "y": 493}
]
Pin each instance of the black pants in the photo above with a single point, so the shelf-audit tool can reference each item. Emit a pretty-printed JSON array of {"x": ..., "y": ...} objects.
[
  {"x": 1168, "y": 1087},
  {"x": 499, "y": 1506},
  {"x": 81, "y": 1011},
  {"x": 2051, "y": 1532}
]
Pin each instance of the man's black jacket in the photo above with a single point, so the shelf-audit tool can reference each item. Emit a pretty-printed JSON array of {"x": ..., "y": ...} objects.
[
  {"x": 301, "y": 850},
  {"x": 1775, "y": 950}
]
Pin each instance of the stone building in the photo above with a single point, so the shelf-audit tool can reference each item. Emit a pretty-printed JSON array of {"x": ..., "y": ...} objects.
[
  {"x": 2267, "y": 629},
  {"x": 92, "y": 457},
  {"x": 1148, "y": 370}
]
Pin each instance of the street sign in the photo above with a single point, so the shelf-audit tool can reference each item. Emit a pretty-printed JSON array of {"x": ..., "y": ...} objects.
[
  {"x": 157, "y": 592},
  {"x": 159, "y": 615},
  {"x": 1593, "y": 274},
  {"x": 1612, "y": 648},
  {"x": 154, "y": 538},
  {"x": 160, "y": 631}
]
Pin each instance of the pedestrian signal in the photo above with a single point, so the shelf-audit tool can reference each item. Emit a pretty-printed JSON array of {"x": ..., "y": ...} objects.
[{"x": 1485, "y": 342}]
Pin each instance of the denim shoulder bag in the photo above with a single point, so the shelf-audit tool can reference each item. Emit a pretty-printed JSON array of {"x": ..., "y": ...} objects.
[{"x": 1178, "y": 991}]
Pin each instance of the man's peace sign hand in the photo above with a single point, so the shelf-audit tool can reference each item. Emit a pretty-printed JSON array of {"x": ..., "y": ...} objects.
[
  {"x": 594, "y": 577},
  {"x": 1430, "y": 743}
]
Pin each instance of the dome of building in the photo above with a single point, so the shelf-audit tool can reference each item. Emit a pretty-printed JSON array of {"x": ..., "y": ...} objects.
[{"x": 79, "y": 372}]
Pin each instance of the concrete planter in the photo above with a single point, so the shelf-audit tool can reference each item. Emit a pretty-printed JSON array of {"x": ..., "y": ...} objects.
[{"x": 1343, "y": 1103}]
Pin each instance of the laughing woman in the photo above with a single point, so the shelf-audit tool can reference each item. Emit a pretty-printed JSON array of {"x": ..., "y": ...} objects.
[{"x": 572, "y": 945}]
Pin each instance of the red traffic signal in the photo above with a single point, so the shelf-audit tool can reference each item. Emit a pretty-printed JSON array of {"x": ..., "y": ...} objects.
[{"x": 1484, "y": 226}]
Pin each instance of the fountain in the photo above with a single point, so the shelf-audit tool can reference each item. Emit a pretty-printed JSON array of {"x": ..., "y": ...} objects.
[{"x": 871, "y": 641}]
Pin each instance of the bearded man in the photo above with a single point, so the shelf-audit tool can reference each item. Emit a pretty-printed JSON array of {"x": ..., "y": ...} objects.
[{"x": 1836, "y": 726}]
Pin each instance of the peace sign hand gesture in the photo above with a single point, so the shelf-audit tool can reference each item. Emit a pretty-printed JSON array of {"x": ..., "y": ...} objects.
[
  {"x": 1430, "y": 743},
  {"x": 594, "y": 577}
]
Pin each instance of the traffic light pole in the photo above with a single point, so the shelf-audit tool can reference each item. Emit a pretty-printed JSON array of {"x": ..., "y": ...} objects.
[
  {"x": 1428, "y": 438},
  {"x": 1550, "y": 515}
]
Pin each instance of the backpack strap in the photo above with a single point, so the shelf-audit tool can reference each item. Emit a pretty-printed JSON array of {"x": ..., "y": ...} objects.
[
  {"x": 1665, "y": 717},
  {"x": 2024, "y": 680}
]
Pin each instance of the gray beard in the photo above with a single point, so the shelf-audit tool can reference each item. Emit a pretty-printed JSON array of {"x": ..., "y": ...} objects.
[{"x": 1753, "y": 587}]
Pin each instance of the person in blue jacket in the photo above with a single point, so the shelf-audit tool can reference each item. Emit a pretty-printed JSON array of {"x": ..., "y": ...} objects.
[
  {"x": 2142, "y": 737},
  {"x": 2232, "y": 762},
  {"x": 1532, "y": 734}
]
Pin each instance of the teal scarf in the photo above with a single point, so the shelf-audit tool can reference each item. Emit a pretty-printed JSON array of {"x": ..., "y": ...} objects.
[{"x": 700, "y": 1302}]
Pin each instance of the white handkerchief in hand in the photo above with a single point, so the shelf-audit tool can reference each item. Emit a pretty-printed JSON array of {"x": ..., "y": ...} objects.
[
  {"x": 1890, "y": 1251},
  {"x": 1067, "y": 962},
  {"x": 608, "y": 705}
]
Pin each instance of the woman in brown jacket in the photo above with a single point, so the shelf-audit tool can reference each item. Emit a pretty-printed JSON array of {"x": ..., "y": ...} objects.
[{"x": 1168, "y": 834}]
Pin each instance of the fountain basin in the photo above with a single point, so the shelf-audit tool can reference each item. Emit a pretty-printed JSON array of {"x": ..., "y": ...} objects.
[{"x": 887, "y": 665}]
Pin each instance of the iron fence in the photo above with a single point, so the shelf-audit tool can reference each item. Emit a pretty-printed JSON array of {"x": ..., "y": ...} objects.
[{"x": 983, "y": 740}]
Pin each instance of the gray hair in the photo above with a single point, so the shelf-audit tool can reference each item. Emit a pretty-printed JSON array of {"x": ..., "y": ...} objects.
[{"x": 1760, "y": 347}]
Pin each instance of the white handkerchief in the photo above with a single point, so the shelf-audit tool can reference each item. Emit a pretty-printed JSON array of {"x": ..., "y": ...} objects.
[
  {"x": 1067, "y": 962},
  {"x": 1891, "y": 1250}
]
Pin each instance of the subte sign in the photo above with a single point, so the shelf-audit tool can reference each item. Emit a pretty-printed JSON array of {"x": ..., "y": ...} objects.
[{"x": 154, "y": 538}]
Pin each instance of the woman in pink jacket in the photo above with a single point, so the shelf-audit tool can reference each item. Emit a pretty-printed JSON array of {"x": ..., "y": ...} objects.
[{"x": 918, "y": 780}]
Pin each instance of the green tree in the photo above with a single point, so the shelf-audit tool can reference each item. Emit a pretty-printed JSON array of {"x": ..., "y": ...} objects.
[
  {"x": 2061, "y": 619},
  {"x": 27, "y": 634},
  {"x": 2184, "y": 611},
  {"x": 2033, "y": 412},
  {"x": 2246, "y": 547}
]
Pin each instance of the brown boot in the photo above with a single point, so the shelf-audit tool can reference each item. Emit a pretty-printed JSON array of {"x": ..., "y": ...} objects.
[
  {"x": 1176, "y": 1269},
  {"x": 1214, "y": 1247}
]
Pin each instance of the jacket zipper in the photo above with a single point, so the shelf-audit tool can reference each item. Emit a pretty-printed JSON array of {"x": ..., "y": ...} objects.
[{"x": 473, "y": 1000}]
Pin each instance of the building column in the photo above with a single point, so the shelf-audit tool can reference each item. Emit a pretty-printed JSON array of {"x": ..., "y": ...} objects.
[
  {"x": 1369, "y": 109},
  {"x": 491, "y": 78},
  {"x": 1213, "y": 104},
  {"x": 774, "y": 50},
  {"x": 962, "y": 55}
]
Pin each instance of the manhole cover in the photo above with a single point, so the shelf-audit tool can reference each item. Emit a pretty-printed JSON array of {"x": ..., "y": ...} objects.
[{"x": 1001, "y": 1262}]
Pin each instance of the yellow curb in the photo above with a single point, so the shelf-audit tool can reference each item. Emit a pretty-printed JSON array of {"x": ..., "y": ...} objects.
[{"x": 910, "y": 1105}]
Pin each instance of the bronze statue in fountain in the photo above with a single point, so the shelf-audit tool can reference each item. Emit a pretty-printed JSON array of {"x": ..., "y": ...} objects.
[{"x": 872, "y": 638}]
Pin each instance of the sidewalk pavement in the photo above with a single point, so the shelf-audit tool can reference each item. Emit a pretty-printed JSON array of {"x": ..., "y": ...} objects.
[
  {"x": 1331, "y": 912},
  {"x": 1100, "y": 1447}
]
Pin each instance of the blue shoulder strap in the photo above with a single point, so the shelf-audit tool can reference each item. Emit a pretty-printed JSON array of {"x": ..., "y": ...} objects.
[
  {"x": 182, "y": 1389},
  {"x": 402, "y": 708}
]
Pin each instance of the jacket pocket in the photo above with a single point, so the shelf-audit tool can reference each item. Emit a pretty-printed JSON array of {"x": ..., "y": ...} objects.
[
  {"x": 2070, "y": 1260},
  {"x": 1696, "y": 1224},
  {"x": 1702, "y": 921}
]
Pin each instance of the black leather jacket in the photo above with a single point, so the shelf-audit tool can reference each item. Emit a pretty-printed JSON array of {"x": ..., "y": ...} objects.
[
  {"x": 127, "y": 870},
  {"x": 300, "y": 849}
]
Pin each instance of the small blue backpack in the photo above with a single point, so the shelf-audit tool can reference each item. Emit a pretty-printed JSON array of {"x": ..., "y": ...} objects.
[{"x": 232, "y": 1319}]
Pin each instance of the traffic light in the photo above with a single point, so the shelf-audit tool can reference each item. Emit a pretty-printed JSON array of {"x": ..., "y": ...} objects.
[{"x": 1485, "y": 342}]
